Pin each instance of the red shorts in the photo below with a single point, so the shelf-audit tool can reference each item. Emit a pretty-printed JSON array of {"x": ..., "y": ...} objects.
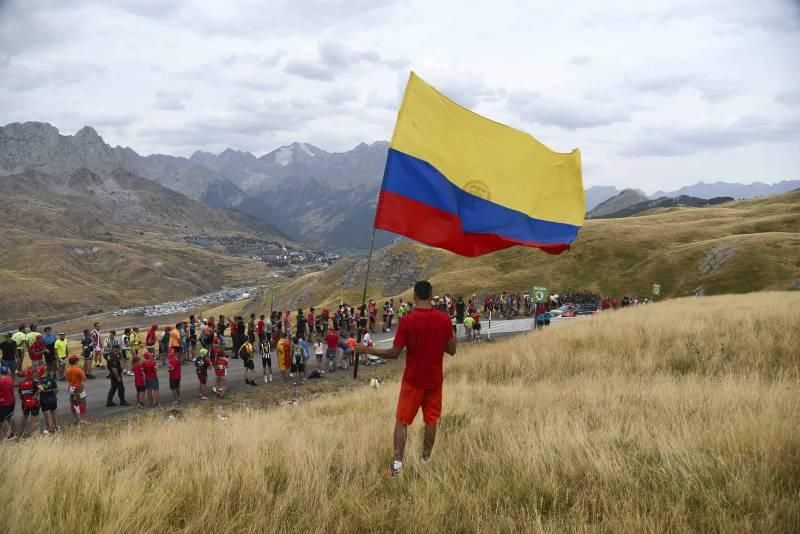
[
  {"x": 411, "y": 399},
  {"x": 203, "y": 378}
]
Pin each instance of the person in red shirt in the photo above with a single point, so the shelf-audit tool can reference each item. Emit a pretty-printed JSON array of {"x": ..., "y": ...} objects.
[
  {"x": 151, "y": 339},
  {"x": 36, "y": 352},
  {"x": 426, "y": 335},
  {"x": 221, "y": 371},
  {"x": 7, "y": 403},
  {"x": 29, "y": 397},
  {"x": 174, "y": 369},
  {"x": 332, "y": 342},
  {"x": 151, "y": 378},
  {"x": 138, "y": 380}
]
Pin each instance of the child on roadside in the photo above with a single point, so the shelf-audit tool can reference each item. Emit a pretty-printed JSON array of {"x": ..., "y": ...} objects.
[
  {"x": 151, "y": 378},
  {"x": 201, "y": 365},
  {"x": 138, "y": 380},
  {"x": 77, "y": 392},
  {"x": 221, "y": 371},
  {"x": 174, "y": 369},
  {"x": 284, "y": 356}
]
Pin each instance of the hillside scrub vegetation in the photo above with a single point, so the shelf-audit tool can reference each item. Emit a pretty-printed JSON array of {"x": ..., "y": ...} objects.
[
  {"x": 678, "y": 416},
  {"x": 738, "y": 247}
]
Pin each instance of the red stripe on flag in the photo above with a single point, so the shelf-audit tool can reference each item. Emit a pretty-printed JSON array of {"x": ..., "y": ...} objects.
[{"x": 432, "y": 226}]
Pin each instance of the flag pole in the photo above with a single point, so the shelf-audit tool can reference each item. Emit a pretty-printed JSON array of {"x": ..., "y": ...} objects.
[{"x": 364, "y": 294}]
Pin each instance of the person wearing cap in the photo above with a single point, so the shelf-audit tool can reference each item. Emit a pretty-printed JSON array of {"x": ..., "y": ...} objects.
[
  {"x": 8, "y": 429},
  {"x": 201, "y": 365},
  {"x": 36, "y": 352},
  {"x": 29, "y": 398},
  {"x": 8, "y": 351},
  {"x": 115, "y": 375},
  {"x": 151, "y": 338},
  {"x": 61, "y": 348},
  {"x": 76, "y": 379},
  {"x": 48, "y": 400}
]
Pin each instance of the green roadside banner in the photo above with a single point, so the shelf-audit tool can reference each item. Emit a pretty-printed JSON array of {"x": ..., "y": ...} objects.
[
  {"x": 656, "y": 290},
  {"x": 539, "y": 294}
]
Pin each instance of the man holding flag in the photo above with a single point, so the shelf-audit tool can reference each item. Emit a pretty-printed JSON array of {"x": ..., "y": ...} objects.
[
  {"x": 464, "y": 183},
  {"x": 426, "y": 335}
]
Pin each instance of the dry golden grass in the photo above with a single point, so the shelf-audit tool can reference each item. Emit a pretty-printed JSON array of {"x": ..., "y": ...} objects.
[{"x": 680, "y": 416}]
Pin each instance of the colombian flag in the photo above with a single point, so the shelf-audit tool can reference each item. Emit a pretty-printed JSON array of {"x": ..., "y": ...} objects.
[{"x": 464, "y": 183}]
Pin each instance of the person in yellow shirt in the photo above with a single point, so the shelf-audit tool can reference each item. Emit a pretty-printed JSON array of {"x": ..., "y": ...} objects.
[
  {"x": 284, "y": 356},
  {"x": 135, "y": 341},
  {"x": 62, "y": 349},
  {"x": 20, "y": 338}
]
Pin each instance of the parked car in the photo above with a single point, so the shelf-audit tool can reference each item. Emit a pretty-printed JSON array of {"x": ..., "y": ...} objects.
[
  {"x": 586, "y": 309},
  {"x": 562, "y": 311}
]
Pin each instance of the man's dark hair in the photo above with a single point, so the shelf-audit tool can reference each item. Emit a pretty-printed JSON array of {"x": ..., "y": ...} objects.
[{"x": 423, "y": 290}]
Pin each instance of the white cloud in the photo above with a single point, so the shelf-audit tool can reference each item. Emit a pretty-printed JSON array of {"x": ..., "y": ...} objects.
[{"x": 658, "y": 93}]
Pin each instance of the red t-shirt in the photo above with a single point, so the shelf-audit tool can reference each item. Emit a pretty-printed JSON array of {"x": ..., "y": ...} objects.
[
  {"x": 260, "y": 327},
  {"x": 234, "y": 329},
  {"x": 150, "y": 339},
  {"x": 138, "y": 374},
  {"x": 6, "y": 391},
  {"x": 27, "y": 393},
  {"x": 332, "y": 340},
  {"x": 214, "y": 352},
  {"x": 150, "y": 369},
  {"x": 174, "y": 365},
  {"x": 220, "y": 366},
  {"x": 37, "y": 350},
  {"x": 424, "y": 334}
]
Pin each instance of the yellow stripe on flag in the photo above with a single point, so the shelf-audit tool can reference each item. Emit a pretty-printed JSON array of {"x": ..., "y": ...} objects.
[{"x": 503, "y": 165}]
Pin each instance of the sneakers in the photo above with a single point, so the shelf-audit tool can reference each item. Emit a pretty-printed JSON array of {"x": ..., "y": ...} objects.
[
  {"x": 140, "y": 405},
  {"x": 270, "y": 377},
  {"x": 110, "y": 404},
  {"x": 203, "y": 397},
  {"x": 392, "y": 472},
  {"x": 91, "y": 377},
  {"x": 266, "y": 379},
  {"x": 214, "y": 389},
  {"x": 124, "y": 403}
]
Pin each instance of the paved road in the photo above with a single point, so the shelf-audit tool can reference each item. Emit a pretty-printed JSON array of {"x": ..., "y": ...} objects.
[{"x": 97, "y": 390}]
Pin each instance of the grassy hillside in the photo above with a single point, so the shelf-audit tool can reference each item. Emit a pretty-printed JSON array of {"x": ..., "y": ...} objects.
[
  {"x": 680, "y": 416},
  {"x": 80, "y": 243},
  {"x": 733, "y": 248}
]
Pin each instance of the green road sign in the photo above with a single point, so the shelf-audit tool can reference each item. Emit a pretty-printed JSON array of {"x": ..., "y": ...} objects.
[
  {"x": 656, "y": 289},
  {"x": 539, "y": 294}
]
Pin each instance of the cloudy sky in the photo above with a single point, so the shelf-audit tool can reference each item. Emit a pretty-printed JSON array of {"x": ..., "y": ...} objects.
[{"x": 656, "y": 94}]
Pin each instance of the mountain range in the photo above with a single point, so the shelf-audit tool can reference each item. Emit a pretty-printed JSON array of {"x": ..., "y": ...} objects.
[{"x": 312, "y": 196}]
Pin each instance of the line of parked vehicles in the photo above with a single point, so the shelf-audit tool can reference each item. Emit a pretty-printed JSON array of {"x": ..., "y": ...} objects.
[{"x": 566, "y": 310}]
